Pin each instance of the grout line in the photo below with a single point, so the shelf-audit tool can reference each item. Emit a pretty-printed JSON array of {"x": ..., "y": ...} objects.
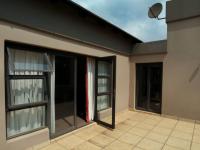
[
  {"x": 192, "y": 135},
  {"x": 170, "y": 134},
  {"x": 148, "y": 132}
]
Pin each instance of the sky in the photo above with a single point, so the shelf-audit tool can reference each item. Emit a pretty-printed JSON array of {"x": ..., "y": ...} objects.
[{"x": 131, "y": 16}]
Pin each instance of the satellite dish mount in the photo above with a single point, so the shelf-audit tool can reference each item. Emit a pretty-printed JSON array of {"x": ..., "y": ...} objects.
[{"x": 155, "y": 10}]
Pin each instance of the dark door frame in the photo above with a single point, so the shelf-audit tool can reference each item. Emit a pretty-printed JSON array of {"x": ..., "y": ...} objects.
[
  {"x": 160, "y": 64},
  {"x": 112, "y": 93}
]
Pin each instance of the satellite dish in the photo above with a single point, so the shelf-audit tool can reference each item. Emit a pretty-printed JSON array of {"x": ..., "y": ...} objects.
[{"x": 155, "y": 10}]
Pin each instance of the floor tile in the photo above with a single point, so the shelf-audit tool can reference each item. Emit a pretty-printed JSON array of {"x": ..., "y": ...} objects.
[
  {"x": 101, "y": 140},
  {"x": 184, "y": 129},
  {"x": 157, "y": 137},
  {"x": 54, "y": 146},
  {"x": 195, "y": 146},
  {"x": 151, "y": 121},
  {"x": 70, "y": 142},
  {"x": 145, "y": 126},
  {"x": 123, "y": 127},
  {"x": 118, "y": 145},
  {"x": 166, "y": 147},
  {"x": 150, "y": 145},
  {"x": 196, "y": 139},
  {"x": 138, "y": 131},
  {"x": 131, "y": 122},
  {"x": 130, "y": 138},
  {"x": 161, "y": 130},
  {"x": 197, "y": 125},
  {"x": 87, "y": 146},
  {"x": 182, "y": 135},
  {"x": 185, "y": 124},
  {"x": 178, "y": 143},
  {"x": 197, "y": 132},
  {"x": 98, "y": 128},
  {"x": 87, "y": 134},
  {"x": 113, "y": 133},
  {"x": 137, "y": 148}
]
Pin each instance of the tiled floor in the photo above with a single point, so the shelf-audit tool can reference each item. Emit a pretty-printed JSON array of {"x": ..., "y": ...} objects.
[{"x": 134, "y": 131}]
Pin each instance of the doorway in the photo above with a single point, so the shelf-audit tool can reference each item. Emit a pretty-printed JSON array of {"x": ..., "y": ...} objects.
[
  {"x": 149, "y": 86},
  {"x": 64, "y": 94},
  {"x": 70, "y": 99}
]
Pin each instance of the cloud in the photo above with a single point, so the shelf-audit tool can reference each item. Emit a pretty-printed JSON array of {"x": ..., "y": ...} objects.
[{"x": 130, "y": 15}]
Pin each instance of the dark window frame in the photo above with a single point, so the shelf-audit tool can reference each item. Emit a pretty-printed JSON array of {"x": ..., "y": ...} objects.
[{"x": 9, "y": 107}]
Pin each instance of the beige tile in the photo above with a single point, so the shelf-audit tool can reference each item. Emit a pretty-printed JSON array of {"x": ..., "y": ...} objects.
[
  {"x": 197, "y": 132},
  {"x": 118, "y": 145},
  {"x": 145, "y": 126},
  {"x": 195, "y": 146},
  {"x": 101, "y": 140},
  {"x": 196, "y": 139},
  {"x": 151, "y": 121},
  {"x": 87, "y": 146},
  {"x": 184, "y": 129},
  {"x": 54, "y": 146},
  {"x": 98, "y": 128},
  {"x": 137, "y": 148},
  {"x": 70, "y": 141},
  {"x": 166, "y": 124},
  {"x": 131, "y": 122},
  {"x": 163, "y": 131},
  {"x": 178, "y": 143},
  {"x": 123, "y": 127},
  {"x": 157, "y": 137},
  {"x": 39, "y": 146},
  {"x": 113, "y": 133},
  {"x": 185, "y": 124},
  {"x": 182, "y": 135},
  {"x": 150, "y": 145},
  {"x": 138, "y": 131},
  {"x": 130, "y": 138},
  {"x": 87, "y": 134},
  {"x": 166, "y": 147},
  {"x": 197, "y": 125}
]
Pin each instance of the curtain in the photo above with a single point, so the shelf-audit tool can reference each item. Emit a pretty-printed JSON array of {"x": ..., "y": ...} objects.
[
  {"x": 90, "y": 90},
  {"x": 52, "y": 101},
  {"x": 26, "y": 91},
  {"x": 24, "y": 120}
]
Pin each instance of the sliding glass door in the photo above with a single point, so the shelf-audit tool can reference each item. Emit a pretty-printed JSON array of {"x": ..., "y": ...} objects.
[
  {"x": 105, "y": 91},
  {"x": 65, "y": 94},
  {"x": 149, "y": 86}
]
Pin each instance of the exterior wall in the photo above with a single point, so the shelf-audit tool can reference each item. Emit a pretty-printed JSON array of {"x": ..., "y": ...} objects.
[
  {"x": 181, "y": 96},
  {"x": 20, "y": 34},
  {"x": 133, "y": 61}
]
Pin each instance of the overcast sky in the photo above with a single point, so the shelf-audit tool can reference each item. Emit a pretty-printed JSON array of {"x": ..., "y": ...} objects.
[{"x": 130, "y": 15}]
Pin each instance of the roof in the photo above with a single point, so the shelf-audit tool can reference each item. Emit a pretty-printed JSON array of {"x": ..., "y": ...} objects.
[
  {"x": 155, "y": 47},
  {"x": 101, "y": 19},
  {"x": 69, "y": 20}
]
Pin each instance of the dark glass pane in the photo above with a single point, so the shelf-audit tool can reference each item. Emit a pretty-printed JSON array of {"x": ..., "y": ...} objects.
[{"x": 25, "y": 120}]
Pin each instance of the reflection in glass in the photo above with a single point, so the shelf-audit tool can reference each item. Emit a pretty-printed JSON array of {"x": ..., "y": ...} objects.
[
  {"x": 28, "y": 61},
  {"x": 104, "y": 68},
  {"x": 25, "y": 91},
  {"x": 24, "y": 120},
  {"x": 103, "y": 102},
  {"x": 103, "y": 85}
]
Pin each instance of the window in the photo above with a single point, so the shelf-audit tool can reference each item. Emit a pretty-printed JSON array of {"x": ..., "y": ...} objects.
[
  {"x": 104, "y": 85},
  {"x": 27, "y": 91}
]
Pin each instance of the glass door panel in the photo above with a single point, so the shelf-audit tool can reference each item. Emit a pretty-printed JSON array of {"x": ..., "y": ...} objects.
[
  {"x": 65, "y": 81},
  {"x": 149, "y": 86},
  {"x": 105, "y": 87}
]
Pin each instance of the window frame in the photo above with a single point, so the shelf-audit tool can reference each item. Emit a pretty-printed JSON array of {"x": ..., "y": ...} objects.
[{"x": 8, "y": 105}]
